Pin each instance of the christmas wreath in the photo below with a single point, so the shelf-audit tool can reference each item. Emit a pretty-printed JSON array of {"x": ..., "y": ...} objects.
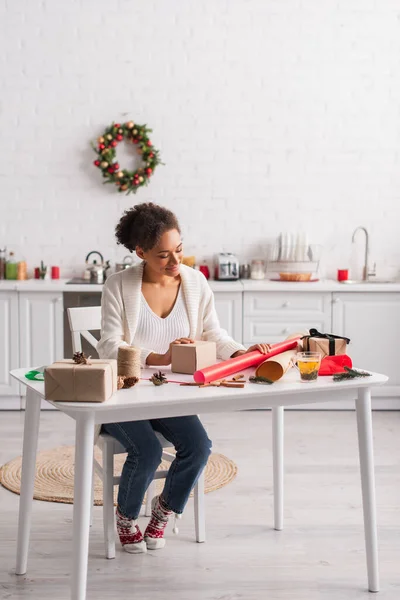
[{"x": 126, "y": 181}]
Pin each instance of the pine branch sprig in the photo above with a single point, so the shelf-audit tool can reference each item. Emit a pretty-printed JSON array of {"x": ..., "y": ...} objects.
[
  {"x": 262, "y": 380},
  {"x": 350, "y": 374}
]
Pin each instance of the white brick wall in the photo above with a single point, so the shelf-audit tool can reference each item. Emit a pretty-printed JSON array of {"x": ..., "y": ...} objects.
[{"x": 270, "y": 115}]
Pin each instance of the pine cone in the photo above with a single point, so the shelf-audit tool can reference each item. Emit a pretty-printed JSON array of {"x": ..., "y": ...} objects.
[
  {"x": 80, "y": 358},
  {"x": 158, "y": 378},
  {"x": 130, "y": 382}
]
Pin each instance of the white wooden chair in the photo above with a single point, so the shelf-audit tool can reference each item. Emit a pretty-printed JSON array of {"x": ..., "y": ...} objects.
[{"x": 82, "y": 321}]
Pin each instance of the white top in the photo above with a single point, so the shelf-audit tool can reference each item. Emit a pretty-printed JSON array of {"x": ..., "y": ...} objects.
[{"x": 156, "y": 332}]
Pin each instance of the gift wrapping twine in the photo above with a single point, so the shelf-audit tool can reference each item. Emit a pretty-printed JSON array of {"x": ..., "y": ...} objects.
[
  {"x": 244, "y": 361},
  {"x": 129, "y": 361}
]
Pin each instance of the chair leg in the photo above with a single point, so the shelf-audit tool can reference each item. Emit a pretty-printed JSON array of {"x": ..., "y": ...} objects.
[
  {"x": 199, "y": 512},
  {"x": 151, "y": 492},
  {"x": 92, "y": 498},
  {"x": 108, "y": 500}
]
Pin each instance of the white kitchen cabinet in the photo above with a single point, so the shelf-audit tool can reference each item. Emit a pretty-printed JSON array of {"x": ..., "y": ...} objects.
[
  {"x": 372, "y": 322},
  {"x": 9, "y": 350},
  {"x": 229, "y": 307},
  {"x": 40, "y": 329},
  {"x": 272, "y": 316}
]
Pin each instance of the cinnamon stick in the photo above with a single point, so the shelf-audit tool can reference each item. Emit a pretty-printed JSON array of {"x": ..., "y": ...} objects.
[{"x": 232, "y": 385}]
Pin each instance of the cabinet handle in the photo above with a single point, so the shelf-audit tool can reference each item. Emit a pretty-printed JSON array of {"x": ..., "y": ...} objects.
[
  {"x": 57, "y": 300},
  {"x": 286, "y": 304},
  {"x": 336, "y": 300},
  {"x": 286, "y": 330}
]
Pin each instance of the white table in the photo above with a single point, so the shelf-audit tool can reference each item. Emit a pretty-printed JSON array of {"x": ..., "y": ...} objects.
[{"x": 145, "y": 401}]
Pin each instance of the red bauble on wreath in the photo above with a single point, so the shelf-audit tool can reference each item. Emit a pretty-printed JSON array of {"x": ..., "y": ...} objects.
[{"x": 125, "y": 180}]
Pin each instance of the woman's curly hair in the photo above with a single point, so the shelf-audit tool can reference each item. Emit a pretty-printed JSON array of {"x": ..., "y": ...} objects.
[{"x": 143, "y": 225}]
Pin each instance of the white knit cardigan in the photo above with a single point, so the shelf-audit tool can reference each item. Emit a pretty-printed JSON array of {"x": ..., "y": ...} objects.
[{"x": 120, "y": 307}]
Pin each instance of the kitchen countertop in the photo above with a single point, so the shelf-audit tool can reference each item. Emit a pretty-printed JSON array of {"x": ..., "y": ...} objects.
[{"x": 247, "y": 285}]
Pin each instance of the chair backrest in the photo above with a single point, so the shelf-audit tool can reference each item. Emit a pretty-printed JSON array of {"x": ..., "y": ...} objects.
[{"x": 81, "y": 322}]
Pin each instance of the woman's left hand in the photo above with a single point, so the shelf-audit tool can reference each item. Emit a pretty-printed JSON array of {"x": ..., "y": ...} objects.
[{"x": 263, "y": 348}]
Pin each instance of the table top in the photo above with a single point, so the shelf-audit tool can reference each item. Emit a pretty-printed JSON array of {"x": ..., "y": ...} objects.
[{"x": 169, "y": 399}]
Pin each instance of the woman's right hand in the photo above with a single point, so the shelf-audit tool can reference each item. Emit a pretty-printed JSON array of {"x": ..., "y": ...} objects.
[{"x": 167, "y": 357}]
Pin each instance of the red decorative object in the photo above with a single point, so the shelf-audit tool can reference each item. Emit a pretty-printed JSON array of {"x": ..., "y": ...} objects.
[
  {"x": 342, "y": 274},
  {"x": 124, "y": 179},
  {"x": 330, "y": 365},
  {"x": 244, "y": 361},
  {"x": 205, "y": 270},
  {"x": 55, "y": 272}
]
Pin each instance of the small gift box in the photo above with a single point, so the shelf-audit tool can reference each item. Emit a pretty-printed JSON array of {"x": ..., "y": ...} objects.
[
  {"x": 67, "y": 381},
  {"x": 325, "y": 343},
  {"x": 189, "y": 358}
]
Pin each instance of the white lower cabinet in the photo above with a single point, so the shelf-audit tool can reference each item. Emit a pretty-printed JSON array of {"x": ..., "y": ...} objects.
[
  {"x": 271, "y": 316},
  {"x": 229, "y": 307},
  {"x": 9, "y": 350},
  {"x": 372, "y": 322},
  {"x": 40, "y": 330}
]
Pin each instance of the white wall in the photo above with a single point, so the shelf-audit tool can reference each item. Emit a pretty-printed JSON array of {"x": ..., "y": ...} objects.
[{"x": 269, "y": 114}]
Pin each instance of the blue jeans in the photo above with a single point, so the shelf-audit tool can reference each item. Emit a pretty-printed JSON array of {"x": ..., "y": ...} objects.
[{"x": 192, "y": 446}]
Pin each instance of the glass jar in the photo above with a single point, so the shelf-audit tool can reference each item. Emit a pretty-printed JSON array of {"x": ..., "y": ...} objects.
[{"x": 257, "y": 269}]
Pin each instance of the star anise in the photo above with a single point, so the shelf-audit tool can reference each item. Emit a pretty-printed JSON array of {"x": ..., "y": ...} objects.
[{"x": 158, "y": 378}]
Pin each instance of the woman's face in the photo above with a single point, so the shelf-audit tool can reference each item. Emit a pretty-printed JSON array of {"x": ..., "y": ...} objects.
[{"x": 166, "y": 257}]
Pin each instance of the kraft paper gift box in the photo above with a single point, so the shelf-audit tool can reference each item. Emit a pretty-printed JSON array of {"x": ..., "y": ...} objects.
[
  {"x": 66, "y": 381},
  {"x": 326, "y": 347},
  {"x": 188, "y": 358}
]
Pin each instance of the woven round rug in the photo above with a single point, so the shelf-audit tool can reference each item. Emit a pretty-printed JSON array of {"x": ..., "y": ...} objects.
[{"x": 54, "y": 480}]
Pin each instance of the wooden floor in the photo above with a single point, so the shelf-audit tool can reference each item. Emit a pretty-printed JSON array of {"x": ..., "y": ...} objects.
[{"x": 320, "y": 554}]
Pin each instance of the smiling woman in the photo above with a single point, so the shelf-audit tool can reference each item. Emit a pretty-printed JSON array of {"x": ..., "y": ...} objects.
[{"x": 153, "y": 306}]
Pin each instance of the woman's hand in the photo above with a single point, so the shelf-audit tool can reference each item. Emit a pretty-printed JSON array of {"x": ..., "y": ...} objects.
[
  {"x": 167, "y": 357},
  {"x": 263, "y": 348}
]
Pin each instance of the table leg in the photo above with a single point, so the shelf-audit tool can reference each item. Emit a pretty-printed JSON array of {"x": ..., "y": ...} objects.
[
  {"x": 31, "y": 431},
  {"x": 84, "y": 437},
  {"x": 366, "y": 452},
  {"x": 277, "y": 445}
]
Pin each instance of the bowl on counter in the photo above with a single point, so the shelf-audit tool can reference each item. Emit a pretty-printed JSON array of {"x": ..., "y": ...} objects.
[{"x": 295, "y": 276}]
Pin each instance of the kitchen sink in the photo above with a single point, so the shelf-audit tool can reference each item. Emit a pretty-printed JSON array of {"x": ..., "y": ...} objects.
[{"x": 80, "y": 280}]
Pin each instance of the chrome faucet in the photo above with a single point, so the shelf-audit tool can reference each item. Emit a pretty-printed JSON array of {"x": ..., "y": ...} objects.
[{"x": 366, "y": 273}]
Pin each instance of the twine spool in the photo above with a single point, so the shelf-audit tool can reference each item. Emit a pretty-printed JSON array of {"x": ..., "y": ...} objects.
[{"x": 129, "y": 361}]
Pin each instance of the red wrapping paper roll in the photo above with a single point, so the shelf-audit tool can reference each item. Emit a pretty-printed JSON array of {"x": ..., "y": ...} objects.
[{"x": 244, "y": 361}]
